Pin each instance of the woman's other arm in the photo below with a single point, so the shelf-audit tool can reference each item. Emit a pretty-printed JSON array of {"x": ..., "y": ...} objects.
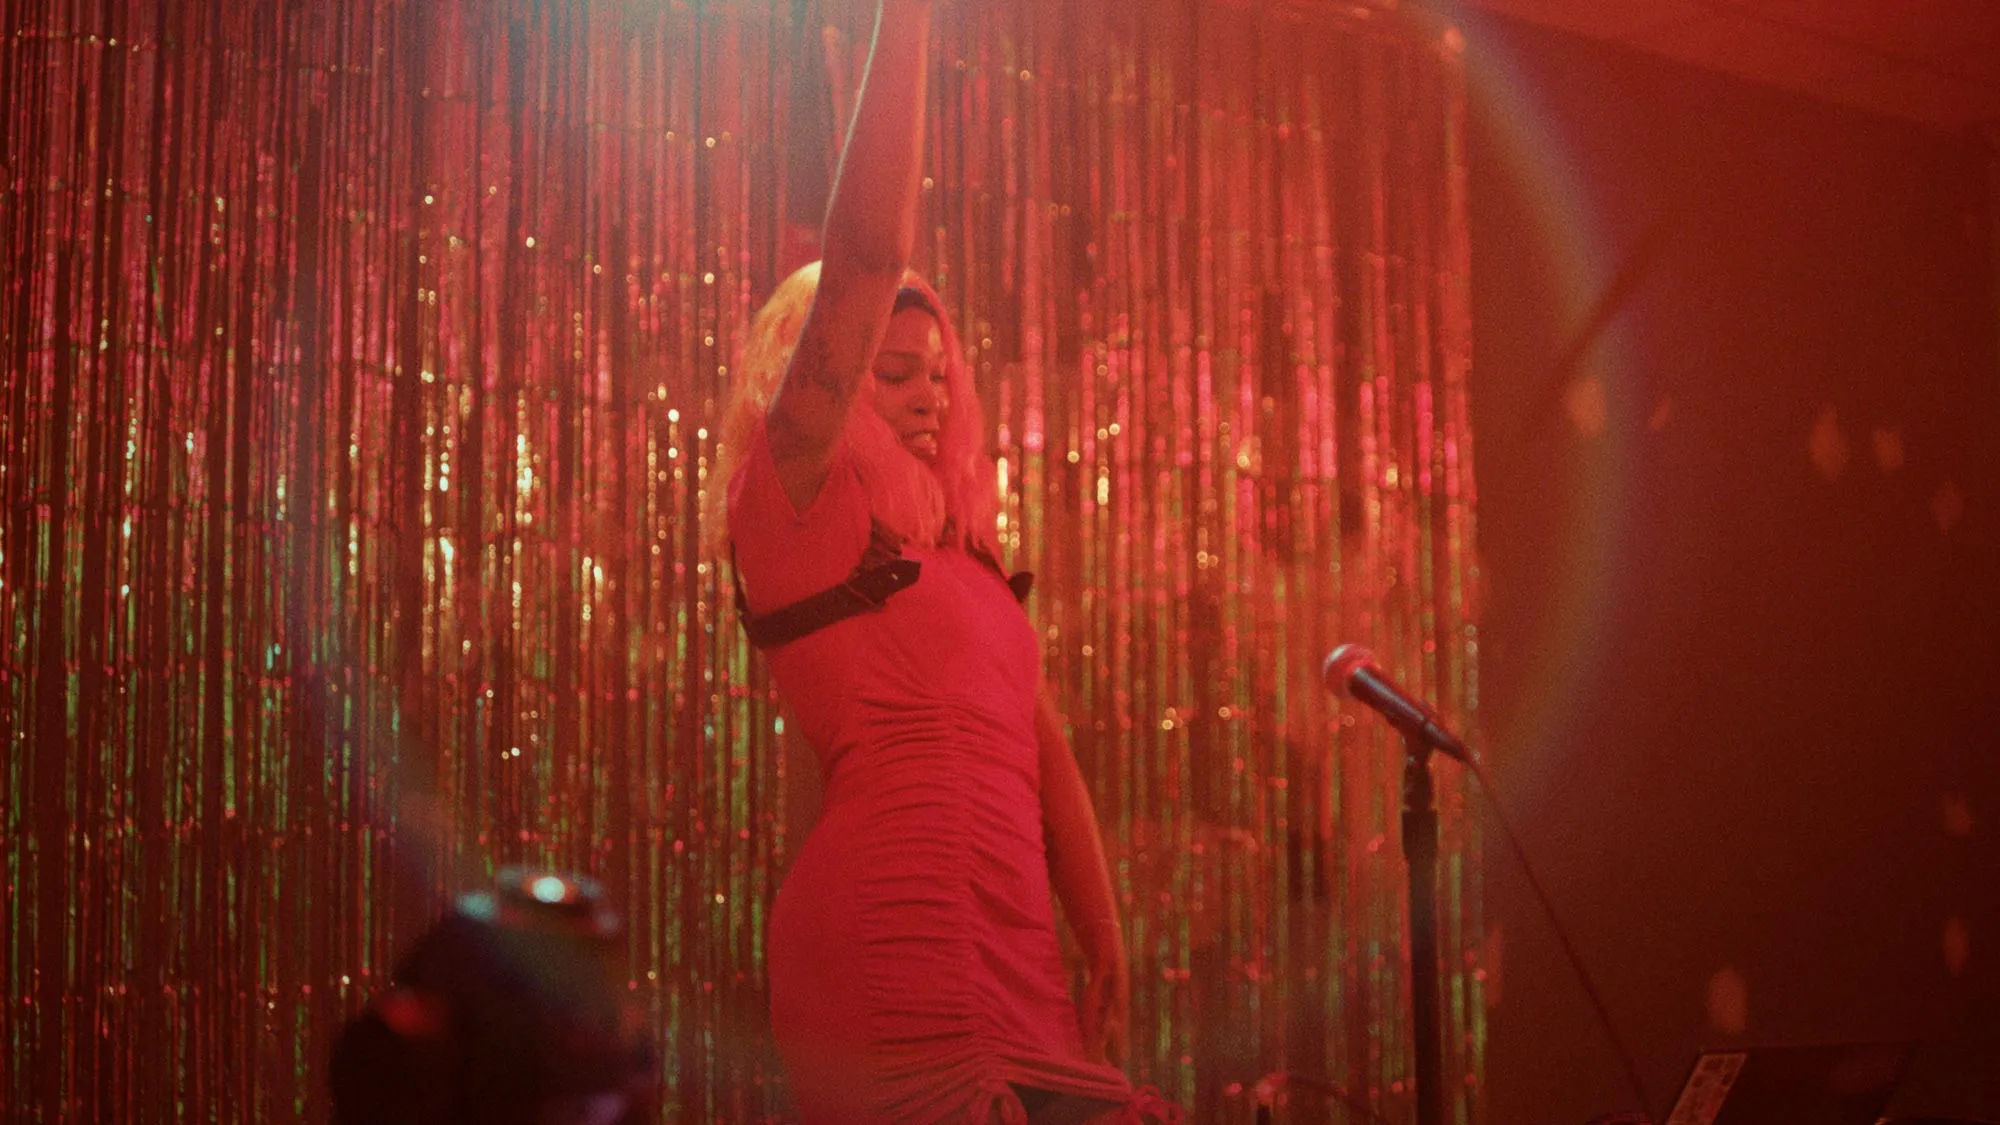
[
  {"x": 870, "y": 231},
  {"x": 1082, "y": 881}
]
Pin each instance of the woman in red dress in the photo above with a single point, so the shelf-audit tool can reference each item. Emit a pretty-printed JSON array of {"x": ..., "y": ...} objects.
[{"x": 914, "y": 965}]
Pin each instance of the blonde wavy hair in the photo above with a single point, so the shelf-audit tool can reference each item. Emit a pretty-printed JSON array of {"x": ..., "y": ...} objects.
[{"x": 953, "y": 503}]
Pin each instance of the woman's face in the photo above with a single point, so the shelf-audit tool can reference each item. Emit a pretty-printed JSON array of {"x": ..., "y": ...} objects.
[{"x": 909, "y": 382}]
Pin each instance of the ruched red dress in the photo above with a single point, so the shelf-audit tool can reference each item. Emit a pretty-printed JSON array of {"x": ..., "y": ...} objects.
[{"x": 914, "y": 969}]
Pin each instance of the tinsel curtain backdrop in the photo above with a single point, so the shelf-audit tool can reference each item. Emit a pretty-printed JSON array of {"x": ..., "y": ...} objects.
[{"x": 362, "y": 362}]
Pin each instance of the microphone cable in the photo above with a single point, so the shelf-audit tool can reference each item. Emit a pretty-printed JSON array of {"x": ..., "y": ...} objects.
[{"x": 1576, "y": 965}]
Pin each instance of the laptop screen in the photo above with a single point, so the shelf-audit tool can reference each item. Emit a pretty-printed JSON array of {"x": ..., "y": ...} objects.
[{"x": 1813, "y": 1084}]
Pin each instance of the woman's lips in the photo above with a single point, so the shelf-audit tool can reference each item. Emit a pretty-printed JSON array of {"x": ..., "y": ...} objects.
[{"x": 923, "y": 443}]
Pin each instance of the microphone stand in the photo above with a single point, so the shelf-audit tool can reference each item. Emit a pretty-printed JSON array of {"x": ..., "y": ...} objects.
[
  {"x": 1350, "y": 671},
  {"x": 1420, "y": 848}
]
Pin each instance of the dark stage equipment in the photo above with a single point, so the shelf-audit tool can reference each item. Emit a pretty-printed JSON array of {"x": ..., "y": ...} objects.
[
  {"x": 1796, "y": 1084},
  {"x": 507, "y": 1010}
]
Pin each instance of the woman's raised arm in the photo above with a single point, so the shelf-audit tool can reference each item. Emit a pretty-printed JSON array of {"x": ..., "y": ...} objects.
[{"x": 870, "y": 230}]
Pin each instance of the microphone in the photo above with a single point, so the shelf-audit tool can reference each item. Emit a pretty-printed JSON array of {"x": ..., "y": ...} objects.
[{"x": 1350, "y": 670}]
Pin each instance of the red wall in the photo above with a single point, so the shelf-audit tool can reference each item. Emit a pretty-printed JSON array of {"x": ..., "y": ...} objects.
[{"x": 1745, "y": 709}]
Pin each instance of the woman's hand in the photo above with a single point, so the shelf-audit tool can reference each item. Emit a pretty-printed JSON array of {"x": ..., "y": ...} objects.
[{"x": 1104, "y": 1012}]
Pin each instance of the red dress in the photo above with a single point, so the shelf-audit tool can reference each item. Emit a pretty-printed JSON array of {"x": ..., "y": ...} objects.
[{"x": 915, "y": 973}]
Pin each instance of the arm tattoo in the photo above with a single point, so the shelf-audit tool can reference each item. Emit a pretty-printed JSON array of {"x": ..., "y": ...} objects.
[{"x": 812, "y": 366}]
